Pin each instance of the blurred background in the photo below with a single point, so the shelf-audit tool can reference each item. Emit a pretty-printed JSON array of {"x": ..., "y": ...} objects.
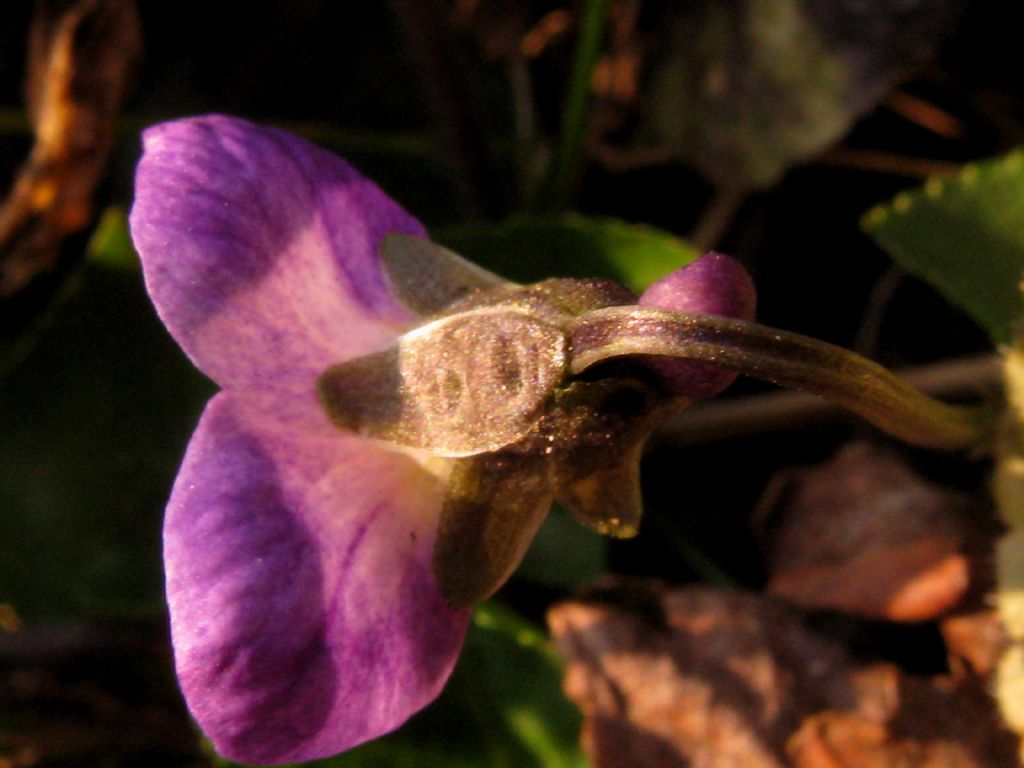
[{"x": 532, "y": 136}]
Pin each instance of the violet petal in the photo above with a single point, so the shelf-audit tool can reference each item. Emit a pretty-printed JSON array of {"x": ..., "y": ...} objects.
[
  {"x": 260, "y": 252},
  {"x": 714, "y": 284},
  {"x": 304, "y": 614}
]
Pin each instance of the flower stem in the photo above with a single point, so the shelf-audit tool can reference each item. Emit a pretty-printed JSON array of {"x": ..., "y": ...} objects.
[{"x": 783, "y": 358}]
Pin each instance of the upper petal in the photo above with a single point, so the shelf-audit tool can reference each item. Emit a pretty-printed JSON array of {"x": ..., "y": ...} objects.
[
  {"x": 260, "y": 252},
  {"x": 304, "y": 614}
]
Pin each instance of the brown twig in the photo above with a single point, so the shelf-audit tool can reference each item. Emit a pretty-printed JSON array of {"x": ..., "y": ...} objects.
[
  {"x": 925, "y": 114},
  {"x": 81, "y": 57},
  {"x": 874, "y": 161}
]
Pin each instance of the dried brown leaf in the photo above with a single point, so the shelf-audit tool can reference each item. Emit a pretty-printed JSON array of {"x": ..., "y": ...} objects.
[
  {"x": 81, "y": 56},
  {"x": 863, "y": 534},
  {"x": 719, "y": 679},
  {"x": 977, "y": 639},
  {"x": 938, "y": 723},
  {"x": 697, "y": 677}
]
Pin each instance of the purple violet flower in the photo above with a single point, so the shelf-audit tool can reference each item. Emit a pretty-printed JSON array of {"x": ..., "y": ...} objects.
[{"x": 307, "y": 610}]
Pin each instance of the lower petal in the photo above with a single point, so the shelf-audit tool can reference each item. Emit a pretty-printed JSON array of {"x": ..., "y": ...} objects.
[{"x": 304, "y": 614}]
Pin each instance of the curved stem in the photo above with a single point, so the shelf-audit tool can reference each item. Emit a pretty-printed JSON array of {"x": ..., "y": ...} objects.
[{"x": 783, "y": 358}]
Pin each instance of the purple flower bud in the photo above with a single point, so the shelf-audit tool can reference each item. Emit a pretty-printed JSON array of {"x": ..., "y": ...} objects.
[{"x": 714, "y": 284}]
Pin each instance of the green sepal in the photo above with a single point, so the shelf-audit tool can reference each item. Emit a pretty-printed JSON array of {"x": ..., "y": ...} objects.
[
  {"x": 603, "y": 426},
  {"x": 461, "y": 385},
  {"x": 585, "y": 451},
  {"x": 494, "y": 506},
  {"x": 609, "y": 500},
  {"x": 427, "y": 277}
]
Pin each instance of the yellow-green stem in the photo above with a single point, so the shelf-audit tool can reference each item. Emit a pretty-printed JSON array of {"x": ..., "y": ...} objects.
[{"x": 783, "y": 358}]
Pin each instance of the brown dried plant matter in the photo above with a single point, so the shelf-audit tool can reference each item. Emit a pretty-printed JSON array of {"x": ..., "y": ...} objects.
[
  {"x": 864, "y": 534},
  {"x": 81, "y": 57},
  {"x": 704, "y": 678}
]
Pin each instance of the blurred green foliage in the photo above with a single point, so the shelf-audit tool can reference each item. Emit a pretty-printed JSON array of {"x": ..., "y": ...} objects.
[
  {"x": 565, "y": 553},
  {"x": 530, "y": 248},
  {"x": 96, "y": 405},
  {"x": 964, "y": 236}
]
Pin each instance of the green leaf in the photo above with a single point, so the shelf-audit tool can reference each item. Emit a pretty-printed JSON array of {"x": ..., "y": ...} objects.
[
  {"x": 503, "y": 708},
  {"x": 95, "y": 410},
  {"x": 533, "y": 248},
  {"x": 964, "y": 236}
]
